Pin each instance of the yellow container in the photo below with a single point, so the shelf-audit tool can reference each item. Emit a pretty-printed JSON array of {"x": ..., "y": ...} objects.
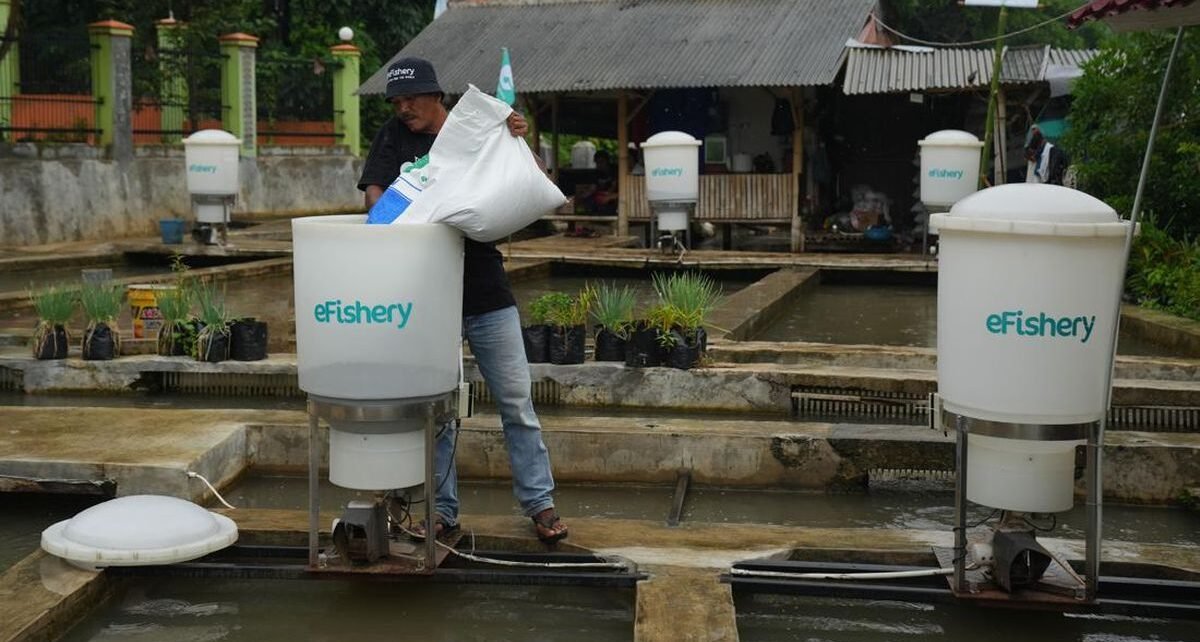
[{"x": 143, "y": 307}]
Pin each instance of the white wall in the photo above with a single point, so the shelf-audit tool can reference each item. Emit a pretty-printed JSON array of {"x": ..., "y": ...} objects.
[{"x": 749, "y": 129}]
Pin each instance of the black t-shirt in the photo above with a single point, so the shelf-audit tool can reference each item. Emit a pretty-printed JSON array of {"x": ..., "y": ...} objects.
[{"x": 485, "y": 285}]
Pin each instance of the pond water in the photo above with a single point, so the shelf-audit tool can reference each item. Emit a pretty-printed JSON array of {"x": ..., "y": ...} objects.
[
  {"x": 22, "y": 280},
  {"x": 23, "y": 517},
  {"x": 202, "y": 610},
  {"x": 780, "y": 618},
  {"x": 891, "y": 315}
]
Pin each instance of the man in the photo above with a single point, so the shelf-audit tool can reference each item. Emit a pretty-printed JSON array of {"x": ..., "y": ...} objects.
[
  {"x": 490, "y": 321},
  {"x": 1046, "y": 162}
]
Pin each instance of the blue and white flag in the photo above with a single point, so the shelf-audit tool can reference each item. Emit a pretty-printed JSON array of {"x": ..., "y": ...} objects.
[{"x": 506, "y": 89}]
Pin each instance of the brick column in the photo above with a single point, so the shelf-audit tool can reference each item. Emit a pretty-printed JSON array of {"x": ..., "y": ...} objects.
[
  {"x": 239, "y": 108},
  {"x": 112, "y": 85},
  {"x": 173, "y": 88},
  {"x": 345, "y": 100},
  {"x": 10, "y": 75}
]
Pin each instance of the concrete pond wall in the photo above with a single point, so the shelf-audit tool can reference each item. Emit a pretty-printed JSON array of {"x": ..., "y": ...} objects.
[{"x": 57, "y": 193}]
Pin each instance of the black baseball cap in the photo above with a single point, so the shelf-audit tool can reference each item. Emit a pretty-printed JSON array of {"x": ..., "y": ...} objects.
[{"x": 409, "y": 76}]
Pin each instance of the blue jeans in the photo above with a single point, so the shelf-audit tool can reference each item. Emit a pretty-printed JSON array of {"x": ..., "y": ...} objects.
[{"x": 496, "y": 343}]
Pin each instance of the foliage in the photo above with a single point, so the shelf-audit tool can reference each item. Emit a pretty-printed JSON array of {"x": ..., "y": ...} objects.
[
  {"x": 613, "y": 309},
  {"x": 540, "y": 308},
  {"x": 566, "y": 141},
  {"x": 287, "y": 29},
  {"x": 176, "y": 304},
  {"x": 691, "y": 294},
  {"x": 665, "y": 318},
  {"x": 211, "y": 304},
  {"x": 54, "y": 304},
  {"x": 568, "y": 310},
  {"x": 101, "y": 302},
  {"x": 950, "y": 21},
  {"x": 1164, "y": 272},
  {"x": 1110, "y": 123}
]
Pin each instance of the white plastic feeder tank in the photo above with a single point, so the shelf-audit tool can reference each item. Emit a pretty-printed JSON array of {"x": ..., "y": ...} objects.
[
  {"x": 949, "y": 167},
  {"x": 1027, "y": 280},
  {"x": 378, "y": 321},
  {"x": 211, "y": 156},
  {"x": 672, "y": 166}
]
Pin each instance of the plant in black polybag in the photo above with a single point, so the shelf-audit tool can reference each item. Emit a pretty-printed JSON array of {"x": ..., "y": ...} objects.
[
  {"x": 247, "y": 339},
  {"x": 212, "y": 342},
  {"x": 101, "y": 305},
  {"x": 54, "y": 304},
  {"x": 687, "y": 300},
  {"x": 179, "y": 328},
  {"x": 568, "y": 330},
  {"x": 537, "y": 334},
  {"x": 613, "y": 312}
]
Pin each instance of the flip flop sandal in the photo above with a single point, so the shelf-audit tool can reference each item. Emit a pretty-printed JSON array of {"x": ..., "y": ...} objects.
[
  {"x": 546, "y": 524},
  {"x": 442, "y": 528}
]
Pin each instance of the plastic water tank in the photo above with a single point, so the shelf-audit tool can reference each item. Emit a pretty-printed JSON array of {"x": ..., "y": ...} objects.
[
  {"x": 949, "y": 167},
  {"x": 212, "y": 162},
  {"x": 378, "y": 307},
  {"x": 378, "y": 319},
  {"x": 1028, "y": 277},
  {"x": 672, "y": 167},
  {"x": 583, "y": 155}
]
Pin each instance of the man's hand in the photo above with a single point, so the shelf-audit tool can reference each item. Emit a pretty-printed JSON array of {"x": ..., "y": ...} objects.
[{"x": 517, "y": 125}]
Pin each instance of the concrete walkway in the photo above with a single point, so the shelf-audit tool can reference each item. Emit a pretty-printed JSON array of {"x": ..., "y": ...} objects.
[{"x": 150, "y": 450}]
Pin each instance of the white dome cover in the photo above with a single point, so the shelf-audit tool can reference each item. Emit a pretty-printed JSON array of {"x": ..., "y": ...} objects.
[{"x": 139, "y": 530}]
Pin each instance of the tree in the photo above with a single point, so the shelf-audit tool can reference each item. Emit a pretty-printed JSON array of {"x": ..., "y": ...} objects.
[
  {"x": 1110, "y": 123},
  {"x": 948, "y": 21}
]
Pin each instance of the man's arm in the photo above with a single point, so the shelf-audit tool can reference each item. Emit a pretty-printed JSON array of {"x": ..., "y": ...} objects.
[{"x": 371, "y": 194}]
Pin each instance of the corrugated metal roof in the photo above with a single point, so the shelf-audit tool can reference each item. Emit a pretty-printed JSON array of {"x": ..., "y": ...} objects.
[
  {"x": 871, "y": 70},
  {"x": 640, "y": 44}
]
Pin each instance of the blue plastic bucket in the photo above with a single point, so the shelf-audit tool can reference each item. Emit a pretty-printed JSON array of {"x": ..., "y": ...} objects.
[{"x": 172, "y": 230}]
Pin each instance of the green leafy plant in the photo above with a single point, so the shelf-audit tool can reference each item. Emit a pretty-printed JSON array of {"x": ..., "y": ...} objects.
[
  {"x": 541, "y": 308},
  {"x": 213, "y": 314},
  {"x": 613, "y": 309},
  {"x": 1164, "y": 273},
  {"x": 692, "y": 295},
  {"x": 101, "y": 305},
  {"x": 665, "y": 318},
  {"x": 101, "y": 302},
  {"x": 175, "y": 305},
  {"x": 571, "y": 311},
  {"x": 54, "y": 304}
]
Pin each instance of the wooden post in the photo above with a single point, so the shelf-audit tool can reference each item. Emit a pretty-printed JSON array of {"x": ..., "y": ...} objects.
[
  {"x": 797, "y": 168},
  {"x": 554, "y": 138},
  {"x": 535, "y": 130},
  {"x": 1001, "y": 139},
  {"x": 622, "y": 164}
]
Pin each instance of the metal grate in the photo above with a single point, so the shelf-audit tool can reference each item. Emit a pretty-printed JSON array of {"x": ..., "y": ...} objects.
[
  {"x": 1155, "y": 418},
  {"x": 545, "y": 392},
  {"x": 817, "y": 403},
  {"x": 232, "y": 385},
  {"x": 11, "y": 380},
  {"x": 893, "y": 475}
]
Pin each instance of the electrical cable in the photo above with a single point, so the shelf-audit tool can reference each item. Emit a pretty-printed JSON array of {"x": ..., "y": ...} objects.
[
  {"x": 514, "y": 563},
  {"x": 969, "y": 43},
  {"x": 876, "y": 575},
  {"x": 1042, "y": 529},
  {"x": 196, "y": 475},
  {"x": 985, "y": 519}
]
